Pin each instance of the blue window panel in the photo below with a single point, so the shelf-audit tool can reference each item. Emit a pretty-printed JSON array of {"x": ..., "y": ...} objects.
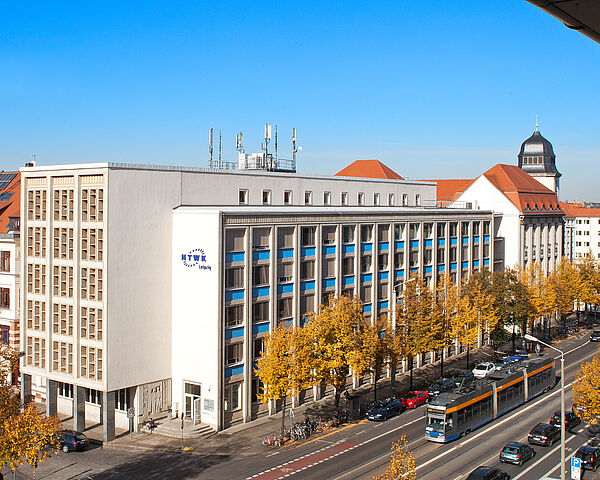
[
  {"x": 285, "y": 288},
  {"x": 328, "y": 282},
  {"x": 429, "y": 243},
  {"x": 366, "y": 247},
  {"x": 441, "y": 268},
  {"x": 307, "y": 251},
  {"x": 453, "y": 241},
  {"x": 383, "y": 275},
  {"x": 231, "y": 371},
  {"x": 398, "y": 245},
  {"x": 234, "y": 257},
  {"x": 399, "y": 273},
  {"x": 347, "y": 248},
  {"x": 465, "y": 240},
  {"x": 384, "y": 246},
  {"x": 486, "y": 261},
  {"x": 476, "y": 239},
  {"x": 428, "y": 269},
  {"x": 486, "y": 238},
  {"x": 414, "y": 244},
  {"x": 329, "y": 250},
  {"x": 285, "y": 253},
  {"x": 441, "y": 242},
  {"x": 260, "y": 291},
  {"x": 465, "y": 264},
  {"x": 475, "y": 263},
  {"x": 382, "y": 305},
  {"x": 349, "y": 280},
  {"x": 366, "y": 277},
  {"x": 286, "y": 323},
  {"x": 304, "y": 320},
  {"x": 260, "y": 328},
  {"x": 261, "y": 255},
  {"x": 307, "y": 285},
  {"x": 234, "y": 295},
  {"x": 234, "y": 332},
  {"x": 367, "y": 308},
  {"x": 453, "y": 266},
  {"x": 414, "y": 270}
]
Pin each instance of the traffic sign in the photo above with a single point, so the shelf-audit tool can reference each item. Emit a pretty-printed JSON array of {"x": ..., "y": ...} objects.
[
  {"x": 130, "y": 413},
  {"x": 575, "y": 468}
]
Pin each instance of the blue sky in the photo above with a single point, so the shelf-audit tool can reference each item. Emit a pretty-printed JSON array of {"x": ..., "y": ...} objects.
[{"x": 433, "y": 89}]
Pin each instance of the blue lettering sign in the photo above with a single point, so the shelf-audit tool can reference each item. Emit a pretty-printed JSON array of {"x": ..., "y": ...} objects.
[{"x": 195, "y": 258}]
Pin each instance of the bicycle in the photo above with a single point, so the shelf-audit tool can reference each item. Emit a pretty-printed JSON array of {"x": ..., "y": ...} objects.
[{"x": 273, "y": 441}]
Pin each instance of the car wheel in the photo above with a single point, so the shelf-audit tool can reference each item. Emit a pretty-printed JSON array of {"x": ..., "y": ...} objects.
[
  {"x": 65, "y": 449},
  {"x": 520, "y": 464}
]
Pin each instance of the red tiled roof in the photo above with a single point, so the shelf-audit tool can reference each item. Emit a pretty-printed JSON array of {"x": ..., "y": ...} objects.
[
  {"x": 524, "y": 191},
  {"x": 573, "y": 210},
  {"x": 11, "y": 207},
  {"x": 368, "y": 169},
  {"x": 449, "y": 190}
]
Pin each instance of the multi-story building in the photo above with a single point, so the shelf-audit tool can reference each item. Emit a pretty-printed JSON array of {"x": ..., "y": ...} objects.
[
  {"x": 10, "y": 193},
  {"x": 582, "y": 236},
  {"x": 151, "y": 287}
]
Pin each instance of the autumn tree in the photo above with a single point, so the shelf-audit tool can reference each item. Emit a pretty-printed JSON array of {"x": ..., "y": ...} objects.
[
  {"x": 465, "y": 324},
  {"x": 478, "y": 291},
  {"x": 565, "y": 285},
  {"x": 446, "y": 300},
  {"x": 589, "y": 274},
  {"x": 511, "y": 300},
  {"x": 586, "y": 390},
  {"x": 376, "y": 341},
  {"x": 285, "y": 365},
  {"x": 402, "y": 463}
]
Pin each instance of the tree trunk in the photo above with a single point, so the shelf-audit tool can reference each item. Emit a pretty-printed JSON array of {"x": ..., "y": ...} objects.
[
  {"x": 393, "y": 378},
  {"x": 283, "y": 402},
  {"x": 412, "y": 361},
  {"x": 442, "y": 363},
  {"x": 375, "y": 387},
  {"x": 338, "y": 393},
  {"x": 468, "y": 351}
]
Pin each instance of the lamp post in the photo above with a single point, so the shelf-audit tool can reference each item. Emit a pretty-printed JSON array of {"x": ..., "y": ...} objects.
[
  {"x": 395, "y": 296},
  {"x": 531, "y": 338}
]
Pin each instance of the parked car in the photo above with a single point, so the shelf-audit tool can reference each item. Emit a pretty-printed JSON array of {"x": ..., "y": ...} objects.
[
  {"x": 517, "y": 453},
  {"x": 595, "y": 336},
  {"x": 443, "y": 385},
  {"x": 594, "y": 441},
  {"x": 414, "y": 399},
  {"x": 383, "y": 410},
  {"x": 571, "y": 420},
  {"x": 464, "y": 377},
  {"x": 488, "y": 473},
  {"x": 590, "y": 457},
  {"x": 544, "y": 434},
  {"x": 73, "y": 441},
  {"x": 522, "y": 354},
  {"x": 483, "y": 369}
]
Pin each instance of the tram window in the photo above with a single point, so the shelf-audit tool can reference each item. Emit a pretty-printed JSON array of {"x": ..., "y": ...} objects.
[
  {"x": 460, "y": 416},
  {"x": 449, "y": 423},
  {"x": 468, "y": 413}
]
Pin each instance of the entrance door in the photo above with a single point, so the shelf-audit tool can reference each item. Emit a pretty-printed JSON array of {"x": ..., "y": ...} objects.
[
  {"x": 197, "y": 409},
  {"x": 192, "y": 393}
]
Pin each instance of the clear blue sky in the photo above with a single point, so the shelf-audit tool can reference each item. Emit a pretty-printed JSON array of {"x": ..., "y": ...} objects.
[{"x": 433, "y": 89}]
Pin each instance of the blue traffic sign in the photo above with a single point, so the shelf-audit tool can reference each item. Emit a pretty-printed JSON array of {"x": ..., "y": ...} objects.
[{"x": 576, "y": 462}]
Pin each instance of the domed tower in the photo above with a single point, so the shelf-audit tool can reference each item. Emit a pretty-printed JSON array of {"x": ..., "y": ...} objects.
[{"x": 538, "y": 160}]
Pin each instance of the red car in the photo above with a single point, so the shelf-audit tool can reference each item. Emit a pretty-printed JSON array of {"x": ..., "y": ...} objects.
[{"x": 414, "y": 399}]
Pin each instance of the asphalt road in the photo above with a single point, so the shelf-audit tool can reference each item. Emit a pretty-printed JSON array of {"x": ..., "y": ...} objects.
[{"x": 354, "y": 452}]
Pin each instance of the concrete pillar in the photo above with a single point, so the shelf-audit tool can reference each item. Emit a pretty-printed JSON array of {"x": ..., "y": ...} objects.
[
  {"x": 25, "y": 388},
  {"x": 79, "y": 408},
  {"x": 108, "y": 415},
  {"x": 51, "y": 397}
]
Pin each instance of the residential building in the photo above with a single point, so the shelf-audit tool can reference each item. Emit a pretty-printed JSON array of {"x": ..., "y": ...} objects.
[{"x": 582, "y": 236}]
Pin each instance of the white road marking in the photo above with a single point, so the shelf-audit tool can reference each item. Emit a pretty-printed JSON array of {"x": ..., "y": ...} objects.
[{"x": 542, "y": 459}]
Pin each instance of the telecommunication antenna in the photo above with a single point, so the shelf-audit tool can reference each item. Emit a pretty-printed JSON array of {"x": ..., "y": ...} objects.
[
  {"x": 276, "y": 163},
  {"x": 239, "y": 142},
  {"x": 295, "y": 149},
  {"x": 220, "y": 149},
  {"x": 34, "y": 159},
  {"x": 210, "y": 148},
  {"x": 265, "y": 146}
]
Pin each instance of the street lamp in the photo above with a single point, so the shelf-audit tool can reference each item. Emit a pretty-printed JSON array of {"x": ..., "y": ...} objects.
[{"x": 531, "y": 338}]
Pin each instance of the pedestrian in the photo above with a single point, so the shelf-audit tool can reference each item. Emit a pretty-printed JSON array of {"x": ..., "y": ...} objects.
[
  {"x": 537, "y": 348},
  {"x": 151, "y": 425}
]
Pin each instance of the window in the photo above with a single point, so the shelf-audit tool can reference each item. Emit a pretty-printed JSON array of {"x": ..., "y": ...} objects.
[
  {"x": 92, "y": 205},
  {"x": 486, "y": 228},
  {"x": 348, "y": 233},
  {"x": 441, "y": 230},
  {"x": 93, "y": 396},
  {"x": 308, "y": 236},
  {"x": 260, "y": 275},
  {"x": 417, "y": 200},
  {"x": 234, "y": 353},
  {"x": 64, "y": 389},
  {"x": 328, "y": 267},
  {"x": 36, "y": 278},
  {"x": 399, "y": 259},
  {"x": 382, "y": 291},
  {"x": 464, "y": 229},
  {"x": 413, "y": 231},
  {"x": 35, "y": 355},
  {"x": 453, "y": 254},
  {"x": 63, "y": 243},
  {"x": 260, "y": 312},
  {"x": 63, "y": 281},
  {"x": 383, "y": 233},
  {"x": 4, "y": 297},
  {"x": 261, "y": 238},
  {"x": 284, "y": 308},
  {"x": 234, "y": 315},
  {"x": 427, "y": 230},
  {"x": 366, "y": 233},
  {"x": 234, "y": 277},
  {"x": 232, "y": 397},
  {"x": 404, "y": 199},
  {"x": 36, "y": 241},
  {"x": 234, "y": 240},
  {"x": 4, "y": 261},
  {"x": 307, "y": 270},
  {"x": 4, "y": 334},
  {"x": 365, "y": 264},
  {"x": 307, "y": 304},
  {"x": 259, "y": 346},
  {"x": 257, "y": 386},
  {"x": 91, "y": 244},
  {"x": 440, "y": 255},
  {"x": 63, "y": 205},
  {"x": 62, "y": 357},
  {"x": 91, "y": 362},
  {"x": 328, "y": 234},
  {"x": 243, "y": 197},
  {"x": 391, "y": 200},
  {"x": 427, "y": 256},
  {"x": 365, "y": 293},
  {"x": 348, "y": 266},
  {"x": 91, "y": 284},
  {"x": 122, "y": 399},
  {"x": 375, "y": 199},
  {"x": 326, "y": 198},
  {"x": 453, "y": 229},
  {"x": 344, "y": 198},
  {"x": 399, "y": 231},
  {"x": 307, "y": 197},
  {"x": 287, "y": 197},
  {"x": 475, "y": 228},
  {"x": 382, "y": 261},
  {"x": 285, "y": 272},
  {"x": 36, "y": 315},
  {"x": 36, "y": 205},
  {"x": 360, "y": 198},
  {"x": 90, "y": 322},
  {"x": 62, "y": 319}
]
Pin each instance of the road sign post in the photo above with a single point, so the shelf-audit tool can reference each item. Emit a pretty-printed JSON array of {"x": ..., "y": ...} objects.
[
  {"x": 130, "y": 416},
  {"x": 575, "y": 468}
]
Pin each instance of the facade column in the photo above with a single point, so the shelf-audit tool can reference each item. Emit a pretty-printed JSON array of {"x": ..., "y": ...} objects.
[
  {"x": 51, "y": 397},
  {"x": 79, "y": 408},
  {"x": 25, "y": 388},
  {"x": 108, "y": 416}
]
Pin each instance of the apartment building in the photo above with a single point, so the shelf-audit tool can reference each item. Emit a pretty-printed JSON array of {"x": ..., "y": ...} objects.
[{"x": 582, "y": 236}]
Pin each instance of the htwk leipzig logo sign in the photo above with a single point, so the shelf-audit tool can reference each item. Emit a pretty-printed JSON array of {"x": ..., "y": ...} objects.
[{"x": 195, "y": 258}]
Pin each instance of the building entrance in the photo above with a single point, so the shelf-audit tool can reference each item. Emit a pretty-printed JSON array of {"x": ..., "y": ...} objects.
[{"x": 192, "y": 402}]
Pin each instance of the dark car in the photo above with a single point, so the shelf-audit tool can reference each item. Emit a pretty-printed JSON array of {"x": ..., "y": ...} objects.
[
  {"x": 590, "y": 457},
  {"x": 594, "y": 441},
  {"x": 544, "y": 434},
  {"x": 463, "y": 378},
  {"x": 571, "y": 420},
  {"x": 73, "y": 441},
  {"x": 595, "y": 336},
  {"x": 440, "y": 386},
  {"x": 384, "y": 410},
  {"x": 517, "y": 453},
  {"x": 488, "y": 473}
]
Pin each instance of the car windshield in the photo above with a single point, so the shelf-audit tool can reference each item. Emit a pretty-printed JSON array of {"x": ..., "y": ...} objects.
[
  {"x": 412, "y": 396},
  {"x": 511, "y": 450},
  {"x": 436, "y": 424},
  {"x": 81, "y": 436},
  {"x": 481, "y": 366}
]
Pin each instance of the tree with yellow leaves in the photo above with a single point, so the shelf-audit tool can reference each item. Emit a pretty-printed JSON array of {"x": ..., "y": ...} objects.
[
  {"x": 565, "y": 285},
  {"x": 477, "y": 290},
  {"x": 26, "y": 436},
  {"x": 402, "y": 463},
  {"x": 465, "y": 324},
  {"x": 589, "y": 274},
  {"x": 586, "y": 390},
  {"x": 446, "y": 300},
  {"x": 376, "y": 347}
]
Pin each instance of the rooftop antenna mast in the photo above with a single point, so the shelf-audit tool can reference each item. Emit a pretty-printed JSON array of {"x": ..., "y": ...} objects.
[
  {"x": 239, "y": 142},
  {"x": 536, "y": 123},
  {"x": 295, "y": 149},
  {"x": 210, "y": 148},
  {"x": 34, "y": 159},
  {"x": 220, "y": 149},
  {"x": 276, "y": 162},
  {"x": 265, "y": 146}
]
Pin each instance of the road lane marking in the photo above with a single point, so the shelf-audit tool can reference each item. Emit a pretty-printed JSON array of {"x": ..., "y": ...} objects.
[
  {"x": 543, "y": 458},
  {"x": 558, "y": 466}
]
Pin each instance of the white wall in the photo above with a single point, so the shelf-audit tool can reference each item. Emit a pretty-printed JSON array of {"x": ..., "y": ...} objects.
[{"x": 196, "y": 313}]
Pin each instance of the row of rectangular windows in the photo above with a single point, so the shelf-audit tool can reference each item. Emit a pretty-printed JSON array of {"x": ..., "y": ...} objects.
[
  {"x": 91, "y": 204},
  {"x": 327, "y": 198}
]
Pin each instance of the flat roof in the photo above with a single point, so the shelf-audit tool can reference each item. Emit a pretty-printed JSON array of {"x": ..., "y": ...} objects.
[{"x": 303, "y": 210}]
